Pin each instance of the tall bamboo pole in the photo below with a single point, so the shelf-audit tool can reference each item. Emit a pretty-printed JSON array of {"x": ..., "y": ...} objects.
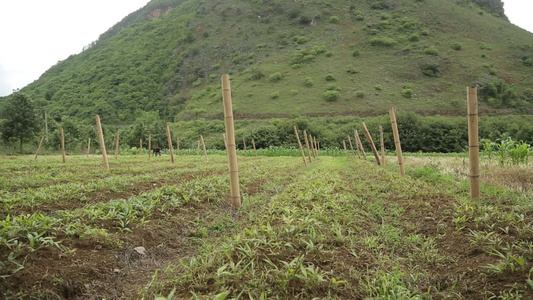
[
  {"x": 149, "y": 146},
  {"x": 351, "y": 146},
  {"x": 39, "y": 149},
  {"x": 359, "y": 144},
  {"x": 473, "y": 143},
  {"x": 63, "y": 146},
  {"x": 397, "y": 140},
  {"x": 255, "y": 149},
  {"x": 205, "y": 150},
  {"x": 169, "y": 138},
  {"x": 118, "y": 143},
  {"x": 307, "y": 146},
  {"x": 371, "y": 142},
  {"x": 231, "y": 147},
  {"x": 244, "y": 145},
  {"x": 102, "y": 141},
  {"x": 382, "y": 144},
  {"x": 345, "y": 151},
  {"x": 300, "y": 145},
  {"x": 89, "y": 147}
]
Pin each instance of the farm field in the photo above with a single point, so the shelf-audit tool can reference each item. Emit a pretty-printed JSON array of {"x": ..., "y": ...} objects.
[{"x": 339, "y": 229}]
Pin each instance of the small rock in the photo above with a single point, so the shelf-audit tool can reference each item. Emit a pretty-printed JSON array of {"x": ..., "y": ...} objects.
[
  {"x": 140, "y": 250},
  {"x": 116, "y": 270}
]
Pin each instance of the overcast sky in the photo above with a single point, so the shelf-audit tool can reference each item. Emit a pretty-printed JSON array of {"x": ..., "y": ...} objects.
[{"x": 36, "y": 34}]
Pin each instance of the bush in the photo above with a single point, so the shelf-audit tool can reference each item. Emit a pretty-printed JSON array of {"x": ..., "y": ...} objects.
[
  {"x": 360, "y": 94},
  {"x": 329, "y": 54},
  {"x": 378, "y": 87},
  {"x": 300, "y": 39},
  {"x": 359, "y": 17},
  {"x": 308, "y": 82},
  {"x": 304, "y": 20},
  {"x": 430, "y": 68},
  {"x": 431, "y": 51},
  {"x": 407, "y": 93},
  {"x": 457, "y": 46},
  {"x": 330, "y": 77},
  {"x": 383, "y": 42},
  {"x": 256, "y": 74},
  {"x": 275, "y": 77},
  {"x": 274, "y": 95},
  {"x": 414, "y": 37},
  {"x": 333, "y": 87},
  {"x": 425, "y": 32},
  {"x": 334, "y": 20},
  {"x": 356, "y": 53},
  {"x": 331, "y": 96}
]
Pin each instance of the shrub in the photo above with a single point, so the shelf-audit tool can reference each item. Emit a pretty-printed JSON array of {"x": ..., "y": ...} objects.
[
  {"x": 374, "y": 31},
  {"x": 334, "y": 20},
  {"x": 300, "y": 39},
  {"x": 308, "y": 82},
  {"x": 304, "y": 20},
  {"x": 360, "y": 94},
  {"x": 425, "y": 32},
  {"x": 378, "y": 87},
  {"x": 275, "y": 77},
  {"x": 414, "y": 37},
  {"x": 407, "y": 93},
  {"x": 333, "y": 87},
  {"x": 274, "y": 95},
  {"x": 256, "y": 74},
  {"x": 359, "y": 17},
  {"x": 331, "y": 96},
  {"x": 430, "y": 68},
  {"x": 431, "y": 51},
  {"x": 330, "y": 77},
  {"x": 457, "y": 46},
  {"x": 329, "y": 54},
  {"x": 356, "y": 53},
  {"x": 351, "y": 70},
  {"x": 383, "y": 42}
]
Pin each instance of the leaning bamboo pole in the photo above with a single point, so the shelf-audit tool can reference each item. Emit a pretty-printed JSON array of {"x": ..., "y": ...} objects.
[
  {"x": 63, "y": 153},
  {"x": 231, "y": 147},
  {"x": 88, "y": 147},
  {"x": 345, "y": 150},
  {"x": 255, "y": 149},
  {"x": 382, "y": 144},
  {"x": 300, "y": 145},
  {"x": 169, "y": 139},
  {"x": 102, "y": 141},
  {"x": 397, "y": 140},
  {"x": 473, "y": 143},
  {"x": 39, "y": 148},
  {"x": 359, "y": 144},
  {"x": 205, "y": 150},
  {"x": 116, "y": 146},
  {"x": 307, "y": 146},
  {"x": 371, "y": 142}
]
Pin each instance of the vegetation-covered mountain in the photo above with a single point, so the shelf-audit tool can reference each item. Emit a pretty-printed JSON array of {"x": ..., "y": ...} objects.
[{"x": 304, "y": 57}]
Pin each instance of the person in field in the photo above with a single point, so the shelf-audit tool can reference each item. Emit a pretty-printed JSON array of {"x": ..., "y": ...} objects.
[{"x": 157, "y": 151}]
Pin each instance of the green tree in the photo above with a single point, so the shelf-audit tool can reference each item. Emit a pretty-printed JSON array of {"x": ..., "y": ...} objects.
[{"x": 20, "y": 120}]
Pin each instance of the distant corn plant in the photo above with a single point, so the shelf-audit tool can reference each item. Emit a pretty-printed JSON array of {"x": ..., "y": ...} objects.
[{"x": 507, "y": 151}]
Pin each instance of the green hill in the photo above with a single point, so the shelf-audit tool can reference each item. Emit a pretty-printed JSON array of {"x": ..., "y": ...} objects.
[{"x": 304, "y": 58}]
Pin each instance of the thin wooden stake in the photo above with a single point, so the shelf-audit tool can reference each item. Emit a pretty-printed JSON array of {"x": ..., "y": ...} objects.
[
  {"x": 397, "y": 140},
  {"x": 39, "y": 149},
  {"x": 89, "y": 147},
  {"x": 300, "y": 145},
  {"x": 359, "y": 144},
  {"x": 116, "y": 147},
  {"x": 198, "y": 148},
  {"x": 178, "y": 146},
  {"x": 231, "y": 147},
  {"x": 205, "y": 150},
  {"x": 149, "y": 146},
  {"x": 307, "y": 146},
  {"x": 371, "y": 142},
  {"x": 351, "y": 146},
  {"x": 382, "y": 144},
  {"x": 244, "y": 144},
  {"x": 102, "y": 141},
  {"x": 169, "y": 138},
  {"x": 345, "y": 151},
  {"x": 63, "y": 146},
  {"x": 316, "y": 147},
  {"x": 255, "y": 149},
  {"x": 141, "y": 146},
  {"x": 473, "y": 143}
]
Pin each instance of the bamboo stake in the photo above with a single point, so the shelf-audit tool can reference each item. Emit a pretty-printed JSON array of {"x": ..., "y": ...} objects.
[
  {"x": 371, "y": 142},
  {"x": 231, "y": 147},
  {"x": 178, "y": 146},
  {"x": 359, "y": 144},
  {"x": 63, "y": 146},
  {"x": 345, "y": 151},
  {"x": 205, "y": 150},
  {"x": 255, "y": 149},
  {"x": 316, "y": 147},
  {"x": 351, "y": 146},
  {"x": 39, "y": 149},
  {"x": 315, "y": 155},
  {"x": 149, "y": 146},
  {"x": 245, "y": 150},
  {"x": 473, "y": 143},
  {"x": 382, "y": 144},
  {"x": 397, "y": 140},
  {"x": 116, "y": 147},
  {"x": 89, "y": 147},
  {"x": 300, "y": 145},
  {"x": 169, "y": 138},
  {"x": 307, "y": 146},
  {"x": 141, "y": 146},
  {"x": 102, "y": 141},
  {"x": 198, "y": 148}
]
